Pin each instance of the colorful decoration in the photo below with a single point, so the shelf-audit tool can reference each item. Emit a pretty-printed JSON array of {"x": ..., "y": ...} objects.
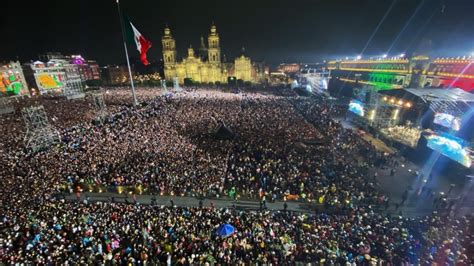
[
  {"x": 48, "y": 81},
  {"x": 10, "y": 83}
]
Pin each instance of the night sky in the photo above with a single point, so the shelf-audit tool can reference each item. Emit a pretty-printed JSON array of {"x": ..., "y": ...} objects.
[{"x": 275, "y": 31}]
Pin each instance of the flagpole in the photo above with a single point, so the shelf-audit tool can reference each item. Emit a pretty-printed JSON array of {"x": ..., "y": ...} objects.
[{"x": 135, "y": 102}]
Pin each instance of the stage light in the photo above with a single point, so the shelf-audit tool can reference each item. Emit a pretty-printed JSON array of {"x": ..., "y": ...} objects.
[
  {"x": 359, "y": 57},
  {"x": 372, "y": 114},
  {"x": 395, "y": 114},
  {"x": 384, "y": 56},
  {"x": 392, "y": 100},
  {"x": 402, "y": 55},
  {"x": 385, "y": 98},
  {"x": 408, "y": 105},
  {"x": 400, "y": 102}
]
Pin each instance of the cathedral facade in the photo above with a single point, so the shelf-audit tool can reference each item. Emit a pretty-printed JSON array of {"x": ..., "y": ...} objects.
[{"x": 207, "y": 66}]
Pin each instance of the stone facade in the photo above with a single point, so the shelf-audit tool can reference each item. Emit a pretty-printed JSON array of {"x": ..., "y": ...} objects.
[{"x": 204, "y": 68}]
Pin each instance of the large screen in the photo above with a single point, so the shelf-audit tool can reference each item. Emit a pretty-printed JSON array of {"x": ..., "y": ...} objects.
[
  {"x": 356, "y": 107},
  {"x": 450, "y": 146},
  {"x": 447, "y": 120},
  {"x": 47, "y": 81},
  {"x": 11, "y": 83}
]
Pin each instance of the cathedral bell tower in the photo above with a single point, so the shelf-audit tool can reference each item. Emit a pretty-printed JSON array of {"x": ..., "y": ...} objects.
[
  {"x": 169, "y": 47},
  {"x": 169, "y": 54},
  {"x": 214, "y": 50}
]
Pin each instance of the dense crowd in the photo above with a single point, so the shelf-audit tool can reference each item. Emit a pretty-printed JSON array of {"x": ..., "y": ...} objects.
[
  {"x": 282, "y": 147},
  {"x": 97, "y": 233}
]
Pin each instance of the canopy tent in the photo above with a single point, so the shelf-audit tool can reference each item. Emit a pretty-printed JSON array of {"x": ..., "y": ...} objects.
[
  {"x": 225, "y": 230},
  {"x": 453, "y": 101},
  {"x": 224, "y": 133}
]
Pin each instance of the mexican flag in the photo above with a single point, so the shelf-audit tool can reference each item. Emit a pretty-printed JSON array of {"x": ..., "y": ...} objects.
[{"x": 134, "y": 37}]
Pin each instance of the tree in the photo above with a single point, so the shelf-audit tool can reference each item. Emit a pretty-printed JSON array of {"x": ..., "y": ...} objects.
[
  {"x": 188, "y": 82},
  {"x": 94, "y": 83}
]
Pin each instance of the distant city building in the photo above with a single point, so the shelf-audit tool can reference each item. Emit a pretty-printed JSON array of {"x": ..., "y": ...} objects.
[
  {"x": 115, "y": 75},
  {"x": 207, "y": 66},
  {"x": 402, "y": 72},
  {"x": 89, "y": 69},
  {"x": 56, "y": 75},
  {"x": 12, "y": 79},
  {"x": 289, "y": 68},
  {"x": 52, "y": 56}
]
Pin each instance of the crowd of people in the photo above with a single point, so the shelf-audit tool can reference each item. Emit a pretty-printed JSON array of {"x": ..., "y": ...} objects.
[
  {"x": 404, "y": 134},
  {"x": 99, "y": 233},
  {"x": 282, "y": 147}
]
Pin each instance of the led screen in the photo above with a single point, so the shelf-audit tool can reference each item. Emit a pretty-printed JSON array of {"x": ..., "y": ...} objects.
[
  {"x": 447, "y": 120},
  {"x": 11, "y": 83},
  {"x": 450, "y": 146},
  {"x": 49, "y": 81},
  {"x": 356, "y": 107}
]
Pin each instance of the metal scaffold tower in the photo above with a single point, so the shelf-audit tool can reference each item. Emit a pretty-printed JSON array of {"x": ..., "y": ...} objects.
[
  {"x": 386, "y": 116},
  {"x": 99, "y": 104},
  {"x": 73, "y": 90},
  {"x": 39, "y": 133}
]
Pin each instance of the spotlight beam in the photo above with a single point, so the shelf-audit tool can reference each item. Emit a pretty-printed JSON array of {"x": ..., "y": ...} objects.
[
  {"x": 462, "y": 72},
  {"x": 378, "y": 26},
  {"x": 422, "y": 28},
  {"x": 369, "y": 40},
  {"x": 405, "y": 26}
]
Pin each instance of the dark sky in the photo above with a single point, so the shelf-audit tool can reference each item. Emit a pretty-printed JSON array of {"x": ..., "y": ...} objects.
[{"x": 274, "y": 31}]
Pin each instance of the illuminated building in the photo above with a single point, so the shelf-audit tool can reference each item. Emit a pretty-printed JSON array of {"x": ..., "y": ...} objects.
[
  {"x": 115, "y": 75},
  {"x": 12, "y": 79},
  {"x": 89, "y": 69},
  {"x": 401, "y": 72},
  {"x": 204, "y": 68},
  {"x": 57, "y": 75},
  {"x": 450, "y": 72},
  {"x": 289, "y": 68}
]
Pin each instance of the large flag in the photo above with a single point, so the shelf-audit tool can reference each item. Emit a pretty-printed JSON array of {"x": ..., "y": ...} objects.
[{"x": 134, "y": 37}]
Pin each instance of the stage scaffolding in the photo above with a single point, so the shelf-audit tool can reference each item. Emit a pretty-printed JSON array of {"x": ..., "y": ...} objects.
[
  {"x": 384, "y": 116},
  {"x": 40, "y": 133},
  {"x": 99, "y": 104}
]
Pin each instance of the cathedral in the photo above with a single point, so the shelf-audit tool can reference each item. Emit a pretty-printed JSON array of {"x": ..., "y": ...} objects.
[{"x": 206, "y": 66}]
